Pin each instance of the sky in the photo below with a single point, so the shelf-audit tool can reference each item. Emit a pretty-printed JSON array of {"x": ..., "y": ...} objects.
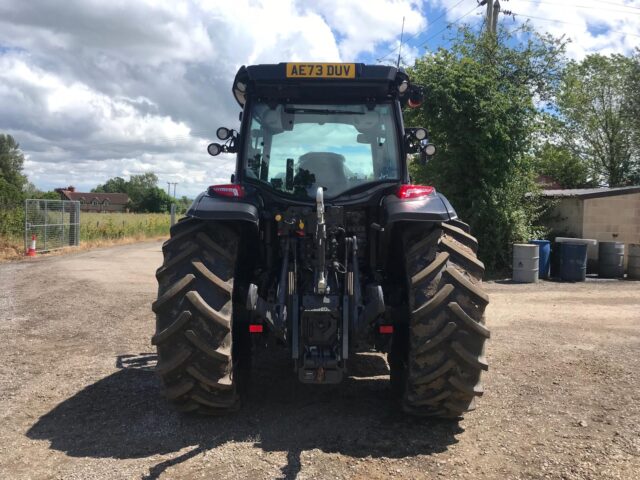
[{"x": 93, "y": 89}]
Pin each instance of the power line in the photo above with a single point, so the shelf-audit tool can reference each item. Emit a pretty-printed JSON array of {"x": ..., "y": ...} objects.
[
  {"x": 448, "y": 26},
  {"x": 586, "y": 7},
  {"x": 571, "y": 23},
  {"x": 421, "y": 32},
  {"x": 620, "y": 5}
]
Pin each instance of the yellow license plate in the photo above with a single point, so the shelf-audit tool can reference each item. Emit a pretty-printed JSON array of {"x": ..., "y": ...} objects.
[{"x": 321, "y": 70}]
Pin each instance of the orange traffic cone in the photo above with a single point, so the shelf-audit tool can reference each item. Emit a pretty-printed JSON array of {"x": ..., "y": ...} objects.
[{"x": 32, "y": 249}]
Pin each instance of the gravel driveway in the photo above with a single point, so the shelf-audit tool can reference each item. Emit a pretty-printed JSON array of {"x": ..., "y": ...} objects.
[{"x": 78, "y": 397}]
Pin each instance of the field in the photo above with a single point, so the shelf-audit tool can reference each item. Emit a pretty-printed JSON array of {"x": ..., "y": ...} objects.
[
  {"x": 79, "y": 398},
  {"x": 110, "y": 226},
  {"x": 96, "y": 229}
]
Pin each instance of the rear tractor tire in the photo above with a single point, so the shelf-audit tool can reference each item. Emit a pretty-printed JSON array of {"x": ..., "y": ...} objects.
[
  {"x": 202, "y": 356},
  {"x": 437, "y": 359}
]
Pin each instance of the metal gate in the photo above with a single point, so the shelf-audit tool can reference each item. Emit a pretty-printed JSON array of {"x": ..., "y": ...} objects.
[{"x": 55, "y": 223}]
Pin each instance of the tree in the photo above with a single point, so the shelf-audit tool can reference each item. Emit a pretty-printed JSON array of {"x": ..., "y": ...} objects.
[
  {"x": 153, "y": 200},
  {"x": 596, "y": 100},
  {"x": 634, "y": 107},
  {"x": 143, "y": 191},
  {"x": 113, "y": 185},
  {"x": 144, "y": 194},
  {"x": 560, "y": 163},
  {"x": 479, "y": 110},
  {"x": 11, "y": 162}
]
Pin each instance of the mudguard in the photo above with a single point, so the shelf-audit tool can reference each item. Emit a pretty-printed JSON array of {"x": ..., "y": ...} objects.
[
  {"x": 207, "y": 207},
  {"x": 432, "y": 208}
]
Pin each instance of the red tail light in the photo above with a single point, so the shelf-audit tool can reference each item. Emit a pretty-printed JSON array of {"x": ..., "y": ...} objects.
[
  {"x": 255, "y": 328},
  {"x": 229, "y": 190},
  {"x": 414, "y": 191},
  {"x": 386, "y": 329}
]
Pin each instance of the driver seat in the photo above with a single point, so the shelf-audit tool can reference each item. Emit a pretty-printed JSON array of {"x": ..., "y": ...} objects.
[{"x": 328, "y": 168}]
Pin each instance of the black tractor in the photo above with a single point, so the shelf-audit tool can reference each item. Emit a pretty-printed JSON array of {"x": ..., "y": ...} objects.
[{"x": 320, "y": 244}]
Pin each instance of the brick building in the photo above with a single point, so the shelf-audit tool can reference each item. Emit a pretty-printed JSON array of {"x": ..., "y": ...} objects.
[{"x": 96, "y": 202}]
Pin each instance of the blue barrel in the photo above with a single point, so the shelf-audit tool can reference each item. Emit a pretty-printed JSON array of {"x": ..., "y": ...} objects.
[
  {"x": 573, "y": 262},
  {"x": 544, "y": 248}
]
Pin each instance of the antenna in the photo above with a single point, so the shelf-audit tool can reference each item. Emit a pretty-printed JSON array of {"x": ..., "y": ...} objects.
[{"x": 400, "y": 49}]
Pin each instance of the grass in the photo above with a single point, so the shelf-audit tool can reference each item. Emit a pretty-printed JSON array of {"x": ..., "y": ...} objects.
[
  {"x": 110, "y": 226},
  {"x": 101, "y": 230}
]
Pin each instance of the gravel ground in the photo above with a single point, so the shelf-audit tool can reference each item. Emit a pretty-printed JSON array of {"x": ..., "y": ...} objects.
[{"x": 78, "y": 397}]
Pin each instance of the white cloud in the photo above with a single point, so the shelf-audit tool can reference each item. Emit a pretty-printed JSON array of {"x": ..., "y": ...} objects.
[
  {"x": 94, "y": 89},
  {"x": 364, "y": 24},
  {"x": 592, "y": 26}
]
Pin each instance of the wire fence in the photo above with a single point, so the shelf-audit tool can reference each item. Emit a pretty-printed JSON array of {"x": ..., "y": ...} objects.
[{"x": 55, "y": 223}]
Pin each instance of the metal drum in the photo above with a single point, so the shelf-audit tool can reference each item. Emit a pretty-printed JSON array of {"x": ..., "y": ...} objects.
[
  {"x": 633, "y": 266},
  {"x": 573, "y": 262},
  {"x": 526, "y": 260},
  {"x": 611, "y": 259},
  {"x": 545, "y": 257}
]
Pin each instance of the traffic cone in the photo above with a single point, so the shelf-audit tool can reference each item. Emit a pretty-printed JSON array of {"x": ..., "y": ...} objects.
[{"x": 32, "y": 249}]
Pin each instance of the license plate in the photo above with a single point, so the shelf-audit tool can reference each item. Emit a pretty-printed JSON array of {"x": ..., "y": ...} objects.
[{"x": 321, "y": 70}]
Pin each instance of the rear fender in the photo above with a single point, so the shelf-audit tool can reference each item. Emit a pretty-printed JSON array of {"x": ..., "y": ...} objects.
[
  {"x": 432, "y": 208},
  {"x": 206, "y": 207},
  {"x": 398, "y": 213}
]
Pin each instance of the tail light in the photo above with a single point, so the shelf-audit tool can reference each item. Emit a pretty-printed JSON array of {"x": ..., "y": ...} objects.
[
  {"x": 414, "y": 191},
  {"x": 229, "y": 190}
]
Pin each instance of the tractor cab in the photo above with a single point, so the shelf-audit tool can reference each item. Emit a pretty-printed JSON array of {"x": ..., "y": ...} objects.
[{"x": 334, "y": 126}]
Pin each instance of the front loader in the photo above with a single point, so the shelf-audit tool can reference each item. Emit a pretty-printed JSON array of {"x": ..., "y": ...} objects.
[{"x": 322, "y": 244}]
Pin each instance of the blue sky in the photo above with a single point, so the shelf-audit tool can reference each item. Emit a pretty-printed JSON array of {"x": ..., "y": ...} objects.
[{"x": 95, "y": 89}]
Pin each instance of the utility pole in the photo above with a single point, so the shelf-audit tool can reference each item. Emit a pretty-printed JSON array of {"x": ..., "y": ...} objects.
[
  {"x": 494, "y": 18},
  {"x": 489, "y": 15},
  {"x": 176, "y": 183},
  {"x": 493, "y": 11},
  {"x": 169, "y": 188}
]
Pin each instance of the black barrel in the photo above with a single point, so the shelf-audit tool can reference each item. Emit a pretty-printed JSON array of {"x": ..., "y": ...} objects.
[
  {"x": 573, "y": 262},
  {"x": 611, "y": 259},
  {"x": 556, "y": 260}
]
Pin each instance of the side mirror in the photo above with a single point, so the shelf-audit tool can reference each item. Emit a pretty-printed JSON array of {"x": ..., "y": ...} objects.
[{"x": 214, "y": 149}]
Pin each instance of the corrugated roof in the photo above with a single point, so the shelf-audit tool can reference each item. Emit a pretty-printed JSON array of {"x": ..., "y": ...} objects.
[
  {"x": 591, "y": 192},
  {"x": 88, "y": 197}
]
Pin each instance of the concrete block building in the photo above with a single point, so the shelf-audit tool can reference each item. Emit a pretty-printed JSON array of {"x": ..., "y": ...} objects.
[{"x": 605, "y": 214}]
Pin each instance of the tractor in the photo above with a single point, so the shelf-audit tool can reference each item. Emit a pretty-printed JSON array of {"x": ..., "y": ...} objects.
[{"x": 321, "y": 244}]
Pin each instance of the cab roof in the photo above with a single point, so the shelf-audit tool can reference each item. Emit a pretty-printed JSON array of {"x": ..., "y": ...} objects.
[{"x": 334, "y": 82}]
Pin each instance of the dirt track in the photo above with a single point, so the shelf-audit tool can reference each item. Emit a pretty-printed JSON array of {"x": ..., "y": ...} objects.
[{"x": 78, "y": 397}]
